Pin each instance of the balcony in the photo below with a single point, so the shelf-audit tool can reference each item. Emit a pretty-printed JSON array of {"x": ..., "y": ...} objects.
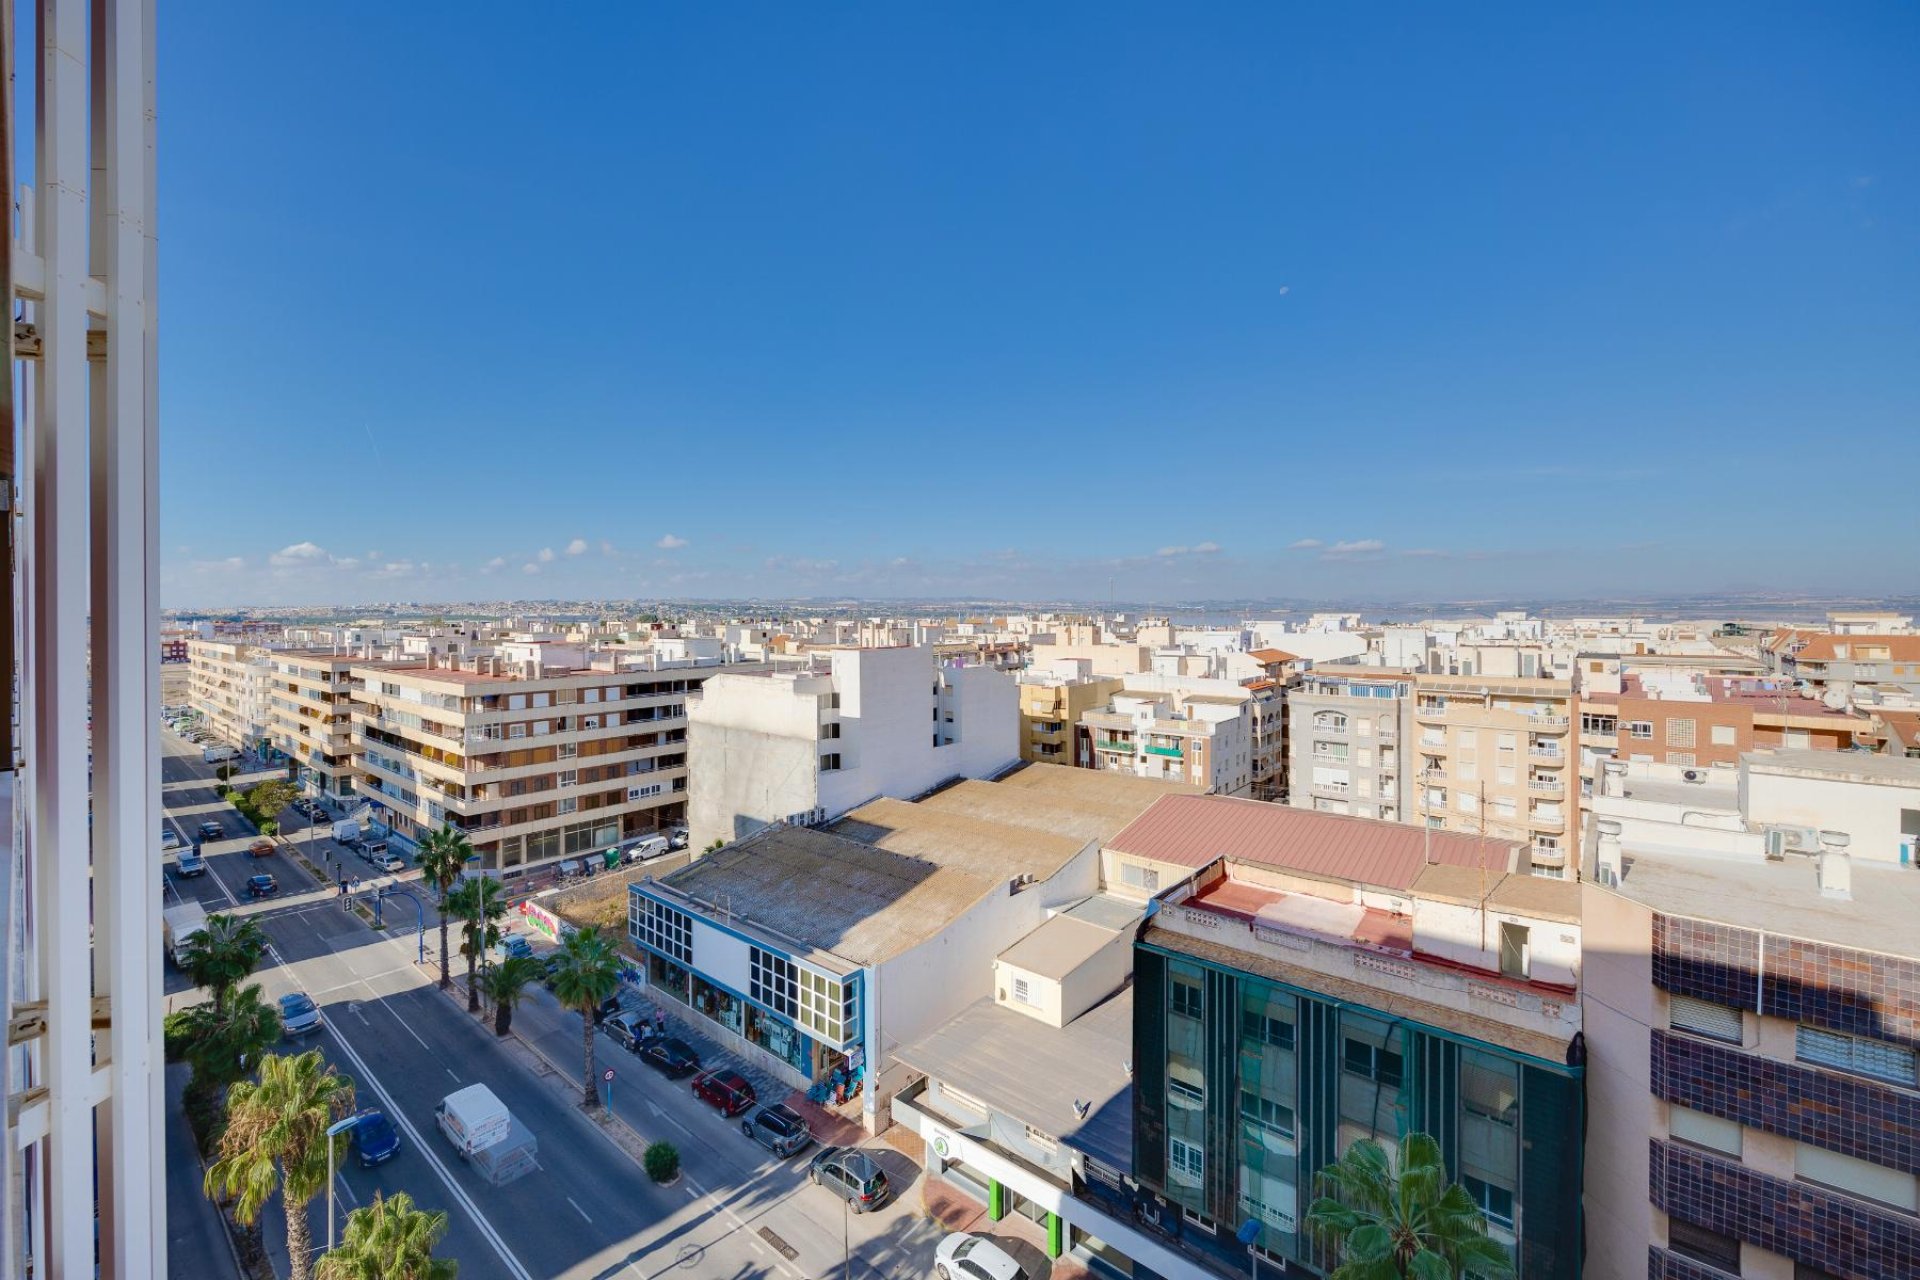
[
  {"x": 1113, "y": 744},
  {"x": 1549, "y": 724},
  {"x": 1549, "y": 754},
  {"x": 1546, "y": 786},
  {"x": 1425, "y": 712},
  {"x": 1173, "y": 753},
  {"x": 1432, "y": 775},
  {"x": 1333, "y": 788},
  {"x": 1541, "y": 821}
]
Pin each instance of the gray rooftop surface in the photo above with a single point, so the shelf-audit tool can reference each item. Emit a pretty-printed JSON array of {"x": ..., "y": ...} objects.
[
  {"x": 1107, "y": 911},
  {"x": 1858, "y": 766},
  {"x": 1058, "y": 947},
  {"x": 1719, "y": 792},
  {"x": 1034, "y": 1073},
  {"x": 1778, "y": 897}
]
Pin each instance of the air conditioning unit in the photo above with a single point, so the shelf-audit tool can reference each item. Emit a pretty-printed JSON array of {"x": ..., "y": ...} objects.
[
  {"x": 1776, "y": 844},
  {"x": 1695, "y": 775}
]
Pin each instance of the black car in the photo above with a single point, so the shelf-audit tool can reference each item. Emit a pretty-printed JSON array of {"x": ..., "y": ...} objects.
[
  {"x": 674, "y": 1057},
  {"x": 262, "y": 886},
  {"x": 212, "y": 831},
  {"x": 778, "y": 1128},
  {"x": 851, "y": 1174}
]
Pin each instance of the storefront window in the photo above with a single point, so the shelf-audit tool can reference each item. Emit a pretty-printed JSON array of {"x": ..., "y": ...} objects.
[{"x": 664, "y": 975}]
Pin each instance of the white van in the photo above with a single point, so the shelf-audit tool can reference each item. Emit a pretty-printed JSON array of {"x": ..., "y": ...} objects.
[{"x": 648, "y": 847}]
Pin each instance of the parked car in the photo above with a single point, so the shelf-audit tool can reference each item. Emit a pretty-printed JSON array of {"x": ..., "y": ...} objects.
[
  {"x": 394, "y": 862},
  {"x": 513, "y": 946},
  {"x": 190, "y": 864},
  {"x": 298, "y": 1014},
  {"x": 607, "y": 1008},
  {"x": 212, "y": 831},
  {"x": 674, "y": 1057},
  {"x": 963, "y": 1256},
  {"x": 727, "y": 1091},
  {"x": 261, "y": 848},
  {"x": 627, "y": 1030},
  {"x": 551, "y": 963},
  {"x": 169, "y": 839},
  {"x": 374, "y": 1139},
  {"x": 262, "y": 886},
  {"x": 851, "y": 1174},
  {"x": 647, "y": 847},
  {"x": 778, "y": 1128},
  {"x": 677, "y": 835}
]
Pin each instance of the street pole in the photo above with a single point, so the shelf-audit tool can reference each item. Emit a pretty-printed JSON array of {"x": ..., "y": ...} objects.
[
  {"x": 846, "y": 1245},
  {"x": 338, "y": 1127}
]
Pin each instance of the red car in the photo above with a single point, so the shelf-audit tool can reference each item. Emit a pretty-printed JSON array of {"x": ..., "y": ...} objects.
[
  {"x": 727, "y": 1090},
  {"x": 261, "y": 848}
]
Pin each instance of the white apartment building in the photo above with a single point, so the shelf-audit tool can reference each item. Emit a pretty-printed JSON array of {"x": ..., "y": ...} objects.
[
  {"x": 537, "y": 751},
  {"x": 1202, "y": 739},
  {"x": 854, "y": 725},
  {"x": 1348, "y": 734},
  {"x": 227, "y": 683},
  {"x": 307, "y": 720}
]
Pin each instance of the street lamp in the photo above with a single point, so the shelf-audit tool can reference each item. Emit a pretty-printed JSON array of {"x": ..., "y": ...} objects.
[{"x": 334, "y": 1130}]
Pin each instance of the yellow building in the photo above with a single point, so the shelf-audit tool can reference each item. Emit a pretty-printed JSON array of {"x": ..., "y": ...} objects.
[{"x": 1050, "y": 708}]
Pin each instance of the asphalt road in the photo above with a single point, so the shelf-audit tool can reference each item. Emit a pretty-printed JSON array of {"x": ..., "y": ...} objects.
[{"x": 588, "y": 1211}]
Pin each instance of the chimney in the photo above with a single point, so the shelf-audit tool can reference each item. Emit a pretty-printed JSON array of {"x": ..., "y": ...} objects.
[
  {"x": 1607, "y": 859},
  {"x": 1613, "y": 779},
  {"x": 1836, "y": 865}
]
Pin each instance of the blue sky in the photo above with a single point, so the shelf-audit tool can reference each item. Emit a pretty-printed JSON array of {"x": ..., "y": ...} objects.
[{"x": 1199, "y": 301}]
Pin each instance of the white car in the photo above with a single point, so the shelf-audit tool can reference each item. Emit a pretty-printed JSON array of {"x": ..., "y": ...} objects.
[
  {"x": 168, "y": 839},
  {"x": 969, "y": 1257}
]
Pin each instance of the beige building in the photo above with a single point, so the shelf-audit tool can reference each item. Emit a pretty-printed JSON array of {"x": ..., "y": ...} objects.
[
  {"x": 541, "y": 751},
  {"x": 1050, "y": 707},
  {"x": 307, "y": 720},
  {"x": 227, "y": 684},
  {"x": 1205, "y": 740},
  {"x": 1494, "y": 756}
]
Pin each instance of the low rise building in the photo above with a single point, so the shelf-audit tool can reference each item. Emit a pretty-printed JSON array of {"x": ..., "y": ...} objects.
[
  {"x": 1204, "y": 739},
  {"x": 1686, "y": 718},
  {"x": 811, "y": 743},
  {"x": 1050, "y": 708},
  {"x": 1752, "y": 1013},
  {"x": 1321, "y": 979}
]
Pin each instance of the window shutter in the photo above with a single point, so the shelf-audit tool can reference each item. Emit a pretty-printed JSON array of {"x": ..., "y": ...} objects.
[{"x": 1703, "y": 1017}]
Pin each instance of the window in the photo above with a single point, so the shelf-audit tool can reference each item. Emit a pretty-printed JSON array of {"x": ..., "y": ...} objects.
[
  {"x": 770, "y": 981},
  {"x": 1371, "y": 1062},
  {"x": 1185, "y": 1162},
  {"x": 1266, "y": 1029},
  {"x": 827, "y": 1007},
  {"x": 1186, "y": 998},
  {"x": 1724, "y": 736},
  {"x": 1136, "y": 876},
  {"x": 1698, "y": 1129},
  {"x": 1679, "y": 731},
  {"x": 1495, "y": 1201},
  {"x": 830, "y": 763},
  {"x": 1516, "y": 959},
  {"x": 1641, "y": 729},
  {"x": 1602, "y": 725},
  {"x": 1268, "y": 1114},
  {"x": 1856, "y": 1054},
  {"x": 1703, "y": 1245},
  {"x": 666, "y": 930},
  {"x": 1022, "y": 991},
  {"x": 1333, "y": 720},
  {"x": 1704, "y": 1018},
  {"x": 1185, "y": 1093}
]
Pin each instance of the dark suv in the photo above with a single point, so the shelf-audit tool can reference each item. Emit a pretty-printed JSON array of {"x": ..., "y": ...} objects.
[
  {"x": 778, "y": 1128},
  {"x": 675, "y": 1057},
  {"x": 851, "y": 1174}
]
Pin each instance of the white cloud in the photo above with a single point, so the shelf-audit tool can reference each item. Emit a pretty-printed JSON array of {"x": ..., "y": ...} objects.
[
  {"x": 529, "y": 568},
  {"x": 1354, "y": 550},
  {"x": 578, "y": 547},
  {"x": 1197, "y": 549},
  {"x": 1306, "y": 544},
  {"x": 494, "y": 565},
  {"x": 670, "y": 542},
  {"x": 546, "y": 555},
  {"x": 300, "y": 553}
]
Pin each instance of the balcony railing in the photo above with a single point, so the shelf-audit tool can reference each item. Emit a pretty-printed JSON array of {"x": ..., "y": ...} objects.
[
  {"x": 1337, "y": 788},
  {"x": 1111, "y": 744},
  {"x": 1546, "y": 786},
  {"x": 1548, "y": 723},
  {"x": 1433, "y": 775},
  {"x": 1547, "y": 821},
  {"x": 1552, "y": 755},
  {"x": 1171, "y": 752}
]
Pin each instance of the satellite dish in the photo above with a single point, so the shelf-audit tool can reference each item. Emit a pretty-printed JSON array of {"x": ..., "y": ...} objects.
[{"x": 1835, "y": 699}]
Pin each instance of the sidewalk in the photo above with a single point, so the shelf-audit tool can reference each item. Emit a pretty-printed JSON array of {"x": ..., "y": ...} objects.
[{"x": 197, "y": 1241}]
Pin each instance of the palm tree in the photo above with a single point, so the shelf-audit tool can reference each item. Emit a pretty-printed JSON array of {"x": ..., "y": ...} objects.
[
  {"x": 1400, "y": 1217},
  {"x": 443, "y": 855},
  {"x": 588, "y": 972},
  {"x": 505, "y": 983},
  {"x": 389, "y": 1240},
  {"x": 223, "y": 952},
  {"x": 478, "y": 902},
  {"x": 276, "y": 1140},
  {"x": 225, "y": 1038}
]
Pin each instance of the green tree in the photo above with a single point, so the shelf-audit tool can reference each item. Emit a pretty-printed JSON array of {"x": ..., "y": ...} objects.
[
  {"x": 389, "y": 1239},
  {"x": 1400, "y": 1218},
  {"x": 265, "y": 800},
  {"x": 587, "y": 973},
  {"x": 276, "y": 1140},
  {"x": 443, "y": 855},
  {"x": 478, "y": 903},
  {"x": 662, "y": 1161},
  {"x": 221, "y": 1041},
  {"x": 504, "y": 984},
  {"x": 223, "y": 952}
]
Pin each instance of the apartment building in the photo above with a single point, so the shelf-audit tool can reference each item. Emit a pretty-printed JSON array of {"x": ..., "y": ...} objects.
[
  {"x": 1348, "y": 730},
  {"x": 308, "y": 721},
  {"x": 1495, "y": 757},
  {"x": 1051, "y": 705},
  {"x": 1204, "y": 739},
  {"x": 1315, "y": 980},
  {"x": 1686, "y": 718},
  {"x": 1752, "y": 994},
  {"x": 227, "y": 683},
  {"x": 1848, "y": 663},
  {"x": 811, "y": 743},
  {"x": 537, "y": 752}
]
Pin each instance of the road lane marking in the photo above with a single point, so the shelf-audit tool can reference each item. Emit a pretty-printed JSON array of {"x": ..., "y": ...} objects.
[
  {"x": 341, "y": 1178},
  {"x": 577, "y": 1209}
]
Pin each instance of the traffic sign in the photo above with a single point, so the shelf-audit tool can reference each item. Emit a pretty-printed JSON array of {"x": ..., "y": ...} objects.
[{"x": 607, "y": 1075}]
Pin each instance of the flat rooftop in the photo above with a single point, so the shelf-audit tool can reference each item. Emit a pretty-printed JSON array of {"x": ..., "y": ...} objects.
[
  {"x": 1719, "y": 792},
  {"x": 1346, "y": 924},
  {"x": 1059, "y": 946},
  {"x": 1849, "y": 766},
  {"x": 1777, "y": 897},
  {"x": 1036, "y": 1074}
]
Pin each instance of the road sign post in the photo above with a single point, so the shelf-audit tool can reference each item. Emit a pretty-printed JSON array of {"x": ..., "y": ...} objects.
[{"x": 607, "y": 1077}]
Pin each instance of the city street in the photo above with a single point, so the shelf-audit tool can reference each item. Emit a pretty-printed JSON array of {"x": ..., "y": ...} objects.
[{"x": 588, "y": 1211}]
